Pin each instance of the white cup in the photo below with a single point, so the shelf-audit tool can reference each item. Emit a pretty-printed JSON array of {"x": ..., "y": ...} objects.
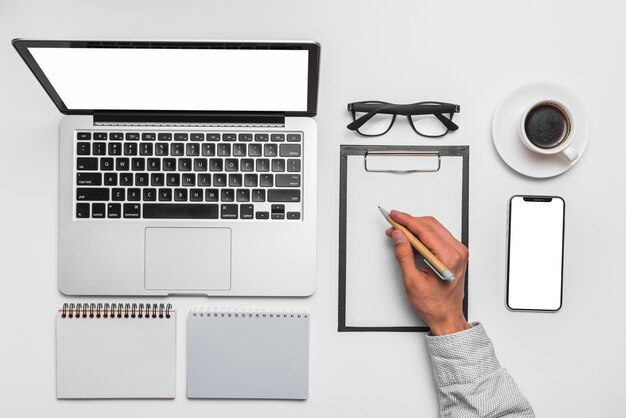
[{"x": 564, "y": 146}]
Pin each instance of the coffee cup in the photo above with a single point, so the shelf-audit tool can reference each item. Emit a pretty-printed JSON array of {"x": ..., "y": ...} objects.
[{"x": 547, "y": 127}]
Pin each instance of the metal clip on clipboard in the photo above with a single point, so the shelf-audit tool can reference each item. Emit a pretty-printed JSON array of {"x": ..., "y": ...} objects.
[{"x": 400, "y": 161}]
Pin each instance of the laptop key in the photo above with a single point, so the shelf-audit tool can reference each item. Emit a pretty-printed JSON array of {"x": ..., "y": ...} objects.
[
  {"x": 293, "y": 215},
  {"x": 138, "y": 164},
  {"x": 216, "y": 164},
  {"x": 287, "y": 180},
  {"x": 231, "y": 164},
  {"x": 212, "y": 195},
  {"x": 197, "y": 137},
  {"x": 267, "y": 180},
  {"x": 130, "y": 148},
  {"x": 132, "y": 210},
  {"x": 126, "y": 179},
  {"x": 178, "y": 150},
  {"x": 245, "y": 137},
  {"x": 164, "y": 137},
  {"x": 254, "y": 150},
  {"x": 294, "y": 137},
  {"x": 180, "y": 195},
  {"x": 83, "y": 136},
  {"x": 283, "y": 195},
  {"x": 219, "y": 180},
  {"x": 213, "y": 137},
  {"x": 83, "y": 148},
  {"x": 293, "y": 165},
  {"x": 234, "y": 180},
  {"x": 278, "y": 211},
  {"x": 278, "y": 137},
  {"x": 200, "y": 164},
  {"x": 115, "y": 148},
  {"x": 165, "y": 195},
  {"x": 162, "y": 149},
  {"x": 116, "y": 136},
  {"x": 208, "y": 150},
  {"x": 184, "y": 164},
  {"x": 181, "y": 136},
  {"x": 92, "y": 193},
  {"x": 83, "y": 163},
  {"x": 239, "y": 150},
  {"x": 189, "y": 179},
  {"x": 149, "y": 195},
  {"x": 263, "y": 215},
  {"x": 261, "y": 137},
  {"x": 146, "y": 149},
  {"x": 243, "y": 195},
  {"x": 82, "y": 210},
  {"x": 180, "y": 211},
  {"x": 278, "y": 164},
  {"x": 262, "y": 164},
  {"x": 223, "y": 150},
  {"x": 173, "y": 179},
  {"x": 110, "y": 179},
  {"x": 270, "y": 150},
  {"x": 89, "y": 179},
  {"x": 247, "y": 164},
  {"x": 100, "y": 136},
  {"x": 250, "y": 180},
  {"x": 154, "y": 164},
  {"x": 114, "y": 210},
  {"x": 118, "y": 194},
  {"x": 141, "y": 179},
  {"x": 228, "y": 195},
  {"x": 246, "y": 211},
  {"x": 98, "y": 210},
  {"x": 99, "y": 148},
  {"x": 134, "y": 195},
  {"x": 157, "y": 180},
  {"x": 229, "y": 137},
  {"x": 192, "y": 149},
  {"x": 229, "y": 211},
  {"x": 290, "y": 150},
  {"x": 204, "y": 180},
  {"x": 258, "y": 195},
  {"x": 132, "y": 136},
  {"x": 148, "y": 136},
  {"x": 196, "y": 195},
  {"x": 122, "y": 164},
  {"x": 169, "y": 164},
  {"x": 106, "y": 163}
]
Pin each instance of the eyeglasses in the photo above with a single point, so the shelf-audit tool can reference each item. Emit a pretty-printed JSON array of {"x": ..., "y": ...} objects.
[{"x": 373, "y": 118}]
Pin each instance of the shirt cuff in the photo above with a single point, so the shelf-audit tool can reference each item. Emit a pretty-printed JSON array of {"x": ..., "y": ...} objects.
[{"x": 463, "y": 356}]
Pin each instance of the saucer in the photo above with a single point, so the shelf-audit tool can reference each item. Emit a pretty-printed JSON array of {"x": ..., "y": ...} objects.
[{"x": 505, "y": 134}]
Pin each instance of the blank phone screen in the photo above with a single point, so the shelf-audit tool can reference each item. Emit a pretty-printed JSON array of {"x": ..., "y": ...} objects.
[{"x": 535, "y": 262}]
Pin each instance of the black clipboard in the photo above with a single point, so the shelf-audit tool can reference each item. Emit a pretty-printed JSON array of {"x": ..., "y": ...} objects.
[{"x": 365, "y": 151}]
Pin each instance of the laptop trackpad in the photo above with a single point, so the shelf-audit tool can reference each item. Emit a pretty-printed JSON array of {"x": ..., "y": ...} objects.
[{"x": 187, "y": 258}]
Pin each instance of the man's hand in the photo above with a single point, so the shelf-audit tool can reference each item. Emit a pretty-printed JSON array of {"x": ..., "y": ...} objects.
[{"x": 439, "y": 303}]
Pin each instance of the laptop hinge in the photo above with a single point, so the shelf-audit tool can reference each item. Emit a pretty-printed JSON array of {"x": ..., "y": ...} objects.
[{"x": 131, "y": 118}]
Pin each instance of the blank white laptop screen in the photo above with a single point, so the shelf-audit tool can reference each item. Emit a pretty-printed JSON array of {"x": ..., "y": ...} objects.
[{"x": 177, "y": 79}]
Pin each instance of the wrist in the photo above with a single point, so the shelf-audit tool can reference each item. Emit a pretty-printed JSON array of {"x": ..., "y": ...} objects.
[{"x": 449, "y": 326}]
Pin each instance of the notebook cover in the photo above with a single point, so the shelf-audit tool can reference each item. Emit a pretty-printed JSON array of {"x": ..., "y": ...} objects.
[
  {"x": 247, "y": 355},
  {"x": 117, "y": 355}
]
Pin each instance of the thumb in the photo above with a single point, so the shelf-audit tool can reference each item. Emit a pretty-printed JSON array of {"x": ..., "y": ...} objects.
[{"x": 404, "y": 253}]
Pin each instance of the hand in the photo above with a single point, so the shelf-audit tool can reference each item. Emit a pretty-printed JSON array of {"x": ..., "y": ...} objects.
[{"x": 439, "y": 303}]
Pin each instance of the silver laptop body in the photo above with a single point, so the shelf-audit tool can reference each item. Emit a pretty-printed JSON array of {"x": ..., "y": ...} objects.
[{"x": 185, "y": 167}]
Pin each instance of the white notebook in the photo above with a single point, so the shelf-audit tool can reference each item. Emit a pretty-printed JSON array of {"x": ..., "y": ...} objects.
[
  {"x": 247, "y": 355},
  {"x": 116, "y": 351}
]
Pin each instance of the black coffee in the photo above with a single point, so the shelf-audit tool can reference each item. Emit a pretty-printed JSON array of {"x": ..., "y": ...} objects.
[{"x": 546, "y": 125}]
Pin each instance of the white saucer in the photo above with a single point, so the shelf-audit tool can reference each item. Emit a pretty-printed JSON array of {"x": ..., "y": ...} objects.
[{"x": 506, "y": 121}]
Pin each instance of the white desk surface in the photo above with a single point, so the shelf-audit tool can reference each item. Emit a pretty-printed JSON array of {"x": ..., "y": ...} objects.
[{"x": 472, "y": 53}]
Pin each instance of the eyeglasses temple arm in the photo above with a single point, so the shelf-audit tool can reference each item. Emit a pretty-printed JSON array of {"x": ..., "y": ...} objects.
[{"x": 447, "y": 122}]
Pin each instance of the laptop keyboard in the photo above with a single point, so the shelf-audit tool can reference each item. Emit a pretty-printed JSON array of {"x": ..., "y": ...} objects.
[{"x": 188, "y": 175}]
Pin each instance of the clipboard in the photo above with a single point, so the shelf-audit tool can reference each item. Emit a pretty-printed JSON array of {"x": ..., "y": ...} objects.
[{"x": 421, "y": 180}]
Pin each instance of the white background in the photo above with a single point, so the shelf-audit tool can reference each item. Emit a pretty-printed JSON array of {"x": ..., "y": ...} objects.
[{"x": 568, "y": 364}]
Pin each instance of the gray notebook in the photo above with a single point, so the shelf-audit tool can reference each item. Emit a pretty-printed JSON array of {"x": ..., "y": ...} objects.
[{"x": 247, "y": 355}]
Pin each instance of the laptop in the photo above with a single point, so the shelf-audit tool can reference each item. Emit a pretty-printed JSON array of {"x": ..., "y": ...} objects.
[{"x": 185, "y": 167}]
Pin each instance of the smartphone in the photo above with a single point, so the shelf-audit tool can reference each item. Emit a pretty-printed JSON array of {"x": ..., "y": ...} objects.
[{"x": 535, "y": 253}]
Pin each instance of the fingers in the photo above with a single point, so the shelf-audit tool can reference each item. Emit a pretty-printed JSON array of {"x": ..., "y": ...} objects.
[
  {"x": 404, "y": 254},
  {"x": 434, "y": 235}
]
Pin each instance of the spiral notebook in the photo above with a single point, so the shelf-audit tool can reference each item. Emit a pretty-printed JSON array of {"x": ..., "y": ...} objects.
[
  {"x": 247, "y": 355},
  {"x": 116, "y": 351}
]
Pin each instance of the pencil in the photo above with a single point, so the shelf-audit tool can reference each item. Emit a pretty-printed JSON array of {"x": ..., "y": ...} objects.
[{"x": 429, "y": 258}]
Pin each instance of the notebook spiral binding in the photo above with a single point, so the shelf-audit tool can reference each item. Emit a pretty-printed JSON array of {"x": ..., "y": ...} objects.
[
  {"x": 116, "y": 310},
  {"x": 246, "y": 313}
]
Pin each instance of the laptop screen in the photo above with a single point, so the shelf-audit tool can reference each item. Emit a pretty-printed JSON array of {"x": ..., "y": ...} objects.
[{"x": 177, "y": 79}]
